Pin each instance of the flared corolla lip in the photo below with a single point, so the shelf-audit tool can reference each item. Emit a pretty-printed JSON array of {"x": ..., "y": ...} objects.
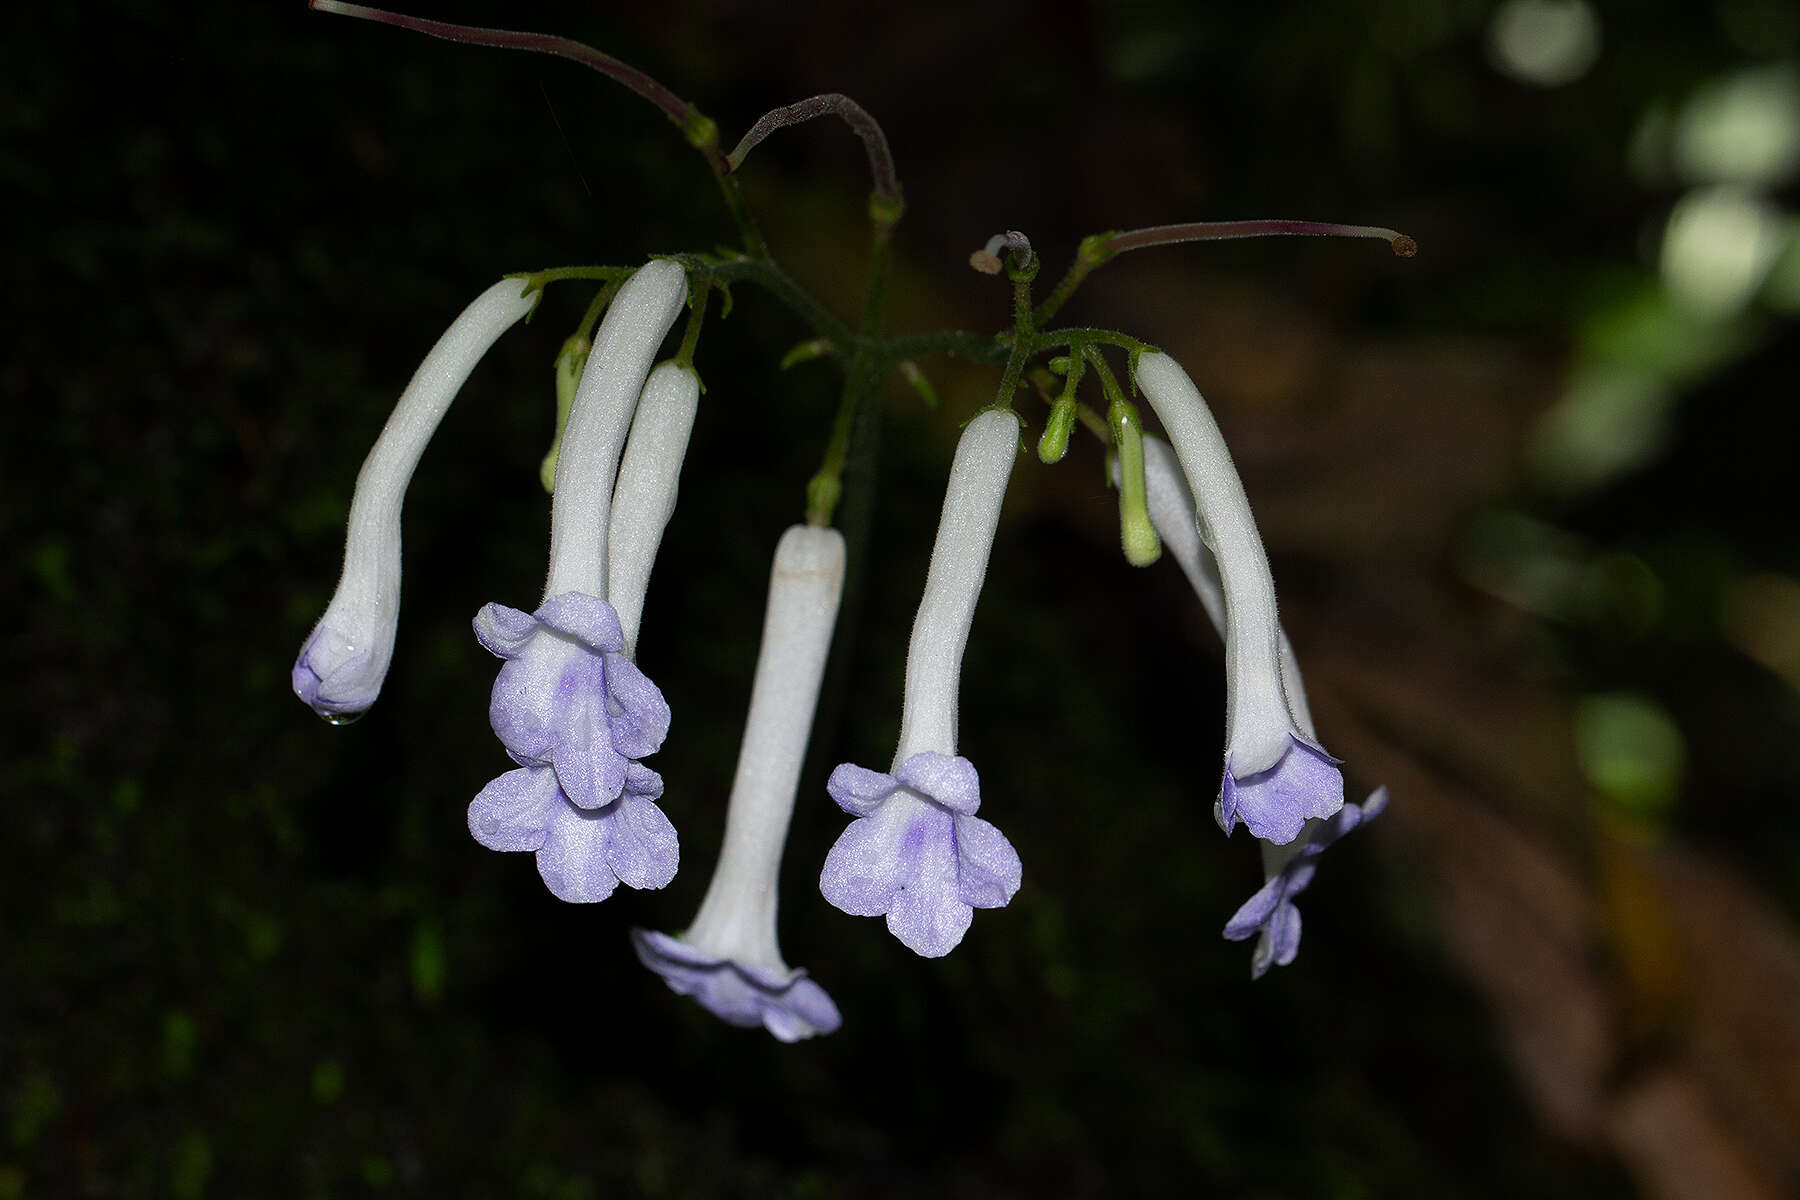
[{"x": 787, "y": 1002}]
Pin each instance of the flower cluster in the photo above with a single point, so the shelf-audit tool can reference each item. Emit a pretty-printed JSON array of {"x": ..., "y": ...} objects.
[{"x": 577, "y": 715}]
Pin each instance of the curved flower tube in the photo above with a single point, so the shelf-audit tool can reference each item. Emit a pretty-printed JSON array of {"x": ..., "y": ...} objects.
[
  {"x": 1287, "y": 869},
  {"x": 345, "y": 658},
  {"x": 916, "y": 852},
  {"x": 1276, "y": 776},
  {"x": 569, "y": 705},
  {"x": 729, "y": 959},
  {"x": 644, "y": 498}
]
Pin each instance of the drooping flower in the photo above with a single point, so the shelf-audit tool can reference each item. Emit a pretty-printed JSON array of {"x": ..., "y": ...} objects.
[
  {"x": 728, "y": 958},
  {"x": 1289, "y": 868},
  {"x": 345, "y": 658},
  {"x": 916, "y": 852},
  {"x": 1276, "y": 777},
  {"x": 569, "y": 704}
]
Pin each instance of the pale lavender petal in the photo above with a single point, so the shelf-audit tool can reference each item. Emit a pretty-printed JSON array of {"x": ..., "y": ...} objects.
[
  {"x": 591, "y": 778},
  {"x": 588, "y": 619},
  {"x": 988, "y": 870},
  {"x": 572, "y": 860},
  {"x": 640, "y": 844},
  {"x": 330, "y": 683},
  {"x": 641, "y": 721},
  {"x": 1284, "y": 935},
  {"x": 590, "y": 769},
  {"x": 518, "y": 709},
  {"x": 1276, "y": 804},
  {"x": 1271, "y": 910},
  {"x": 872, "y": 860},
  {"x": 1255, "y": 912},
  {"x": 642, "y": 781},
  {"x": 503, "y": 631},
  {"x": 951, "y": 781},
  {"x": 515, "y": 811},
  {"x": 790, "y": 1006},
  {"x": 859, "y": 790},
  {"x": 928, "y": 916}
]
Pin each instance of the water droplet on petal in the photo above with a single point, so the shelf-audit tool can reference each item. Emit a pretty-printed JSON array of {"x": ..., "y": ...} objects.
[{"x": 341, "y": 718}]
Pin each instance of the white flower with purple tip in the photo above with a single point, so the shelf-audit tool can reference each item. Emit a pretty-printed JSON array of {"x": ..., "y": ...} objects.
[
  {"x": 1276, "y": 776},
  {"x": 569, "y": 704},
  {"x": 568, "y": 698},
  {"x": 345, "y": 658},
  {"x": 1287, "y": 869},
  {"x": 916, "y": 852},
  {"x": 729, "y": 959}
]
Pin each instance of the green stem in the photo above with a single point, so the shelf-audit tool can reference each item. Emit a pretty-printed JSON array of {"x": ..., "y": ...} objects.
[
  {"x": 765, "y": 274},
  {"x": 978, "y": 347},
  {"x": 1023, "y": 342},
  {"x": 690, "y": 336}
]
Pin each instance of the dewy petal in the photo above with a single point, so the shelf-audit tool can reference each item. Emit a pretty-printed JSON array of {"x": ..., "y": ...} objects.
[
  {"x": 644, "y": 497},
  {"x": 624, "y": 346},
  {"x": 786, "y": 1003},
  {"x": 988, "y": 871},
  {"x": 1276, "y": 803},
  {"x": 515, "y": 811},
  {"x": 344, "y": 660},
  {"x": 949, "y": 780},
  {"x": 859, "y": 790}
]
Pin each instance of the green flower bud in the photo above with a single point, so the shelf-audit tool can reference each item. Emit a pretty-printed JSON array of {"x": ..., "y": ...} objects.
[
  {"x": 1136, "y": 534},
  {"x": 570, "y": 362},
  {"x": 1055, "y": 441}
]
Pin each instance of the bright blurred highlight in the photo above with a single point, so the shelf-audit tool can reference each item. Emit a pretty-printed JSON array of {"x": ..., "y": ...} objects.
[
  {"x": 1744, "y": 129},
  {"x": 1719, "y": 244},
  {"x": 1544, "y": 42}
]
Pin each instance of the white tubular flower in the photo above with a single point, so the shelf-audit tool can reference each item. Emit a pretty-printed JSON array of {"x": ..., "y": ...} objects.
[
  {"x": 1276, "y": 776},
  {"x": 916, "y": 851},
  {"x": 729, "y": 959},
  {"x": 644, "y": 497},
  {"x": 343, "y": 661},
  {"x": 1270, "y": 914},
  {"x": 624, "y": 347},
  {"x": 569, "y": 705}
]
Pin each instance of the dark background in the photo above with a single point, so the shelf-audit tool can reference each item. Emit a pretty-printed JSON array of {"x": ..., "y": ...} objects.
[{"x": 1529, "y": 498}]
